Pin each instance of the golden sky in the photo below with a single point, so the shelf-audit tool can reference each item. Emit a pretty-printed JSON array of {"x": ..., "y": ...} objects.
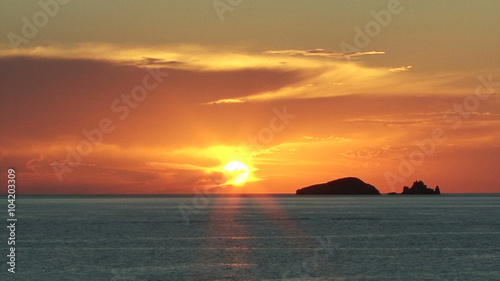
[{"x": 159, "y": 96}]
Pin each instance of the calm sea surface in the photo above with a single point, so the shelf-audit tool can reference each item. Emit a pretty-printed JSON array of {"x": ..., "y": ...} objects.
[{"x": 447, "y": 237}]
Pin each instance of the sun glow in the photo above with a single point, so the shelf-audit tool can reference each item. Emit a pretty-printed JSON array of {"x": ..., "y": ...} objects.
[{"x": 236, "y": 172}]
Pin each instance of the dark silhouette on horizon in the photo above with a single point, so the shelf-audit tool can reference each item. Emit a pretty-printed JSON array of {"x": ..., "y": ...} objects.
[
  {"x": 418, "y": 188},
  {"x": 343, "y": 186}
]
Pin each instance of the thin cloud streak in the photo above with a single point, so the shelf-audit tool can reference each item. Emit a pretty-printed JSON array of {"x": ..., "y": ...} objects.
[
  {"x": 402, "y": 68},
  {"x": 321, "y": 53}
]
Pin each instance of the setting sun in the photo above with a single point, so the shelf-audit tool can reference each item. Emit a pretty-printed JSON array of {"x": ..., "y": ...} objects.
[{"x": 237, "y": 172}]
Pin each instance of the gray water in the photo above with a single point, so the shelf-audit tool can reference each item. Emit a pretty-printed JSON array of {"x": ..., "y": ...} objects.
[{"x": 447, "y": 237}]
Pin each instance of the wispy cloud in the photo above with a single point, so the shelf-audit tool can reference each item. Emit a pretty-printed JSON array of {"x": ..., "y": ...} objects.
[
  {"x": 321, "y": 53},
  {"x": 302, "y": 75},
  {"x": 401, "y": 68},
  {"x": 329, "y": 138},
  {"x": 227, "y": 101},
  {"x": 375, "y": 152},
  {"x": 173, "y": 56}
]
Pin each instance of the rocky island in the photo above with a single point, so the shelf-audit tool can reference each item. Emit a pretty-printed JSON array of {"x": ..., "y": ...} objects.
[
  {"x": 418, "y": 188},
  {"x": 343, "y": 186}
]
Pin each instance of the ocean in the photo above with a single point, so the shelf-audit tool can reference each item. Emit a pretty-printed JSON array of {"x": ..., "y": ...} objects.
[{"x": 265, "y": 237}]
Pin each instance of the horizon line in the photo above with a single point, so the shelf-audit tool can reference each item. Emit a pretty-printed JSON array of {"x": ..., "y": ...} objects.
[{"x": 212, "y": 194}]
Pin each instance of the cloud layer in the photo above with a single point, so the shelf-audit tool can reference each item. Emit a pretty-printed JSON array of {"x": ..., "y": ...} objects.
[{"x": 215, "y": 106}]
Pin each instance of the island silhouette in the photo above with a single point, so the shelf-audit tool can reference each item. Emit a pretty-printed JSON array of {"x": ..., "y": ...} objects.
[
  {"x": 418, "y": 188},
  {"x": 343, "y": 186},
  {"x": 355, "y": 186}
]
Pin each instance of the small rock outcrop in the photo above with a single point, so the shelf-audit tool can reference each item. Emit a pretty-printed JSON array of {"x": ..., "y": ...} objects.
[
  {"x": 418, "y": 188},
  {"x": 343, "y": 186}
]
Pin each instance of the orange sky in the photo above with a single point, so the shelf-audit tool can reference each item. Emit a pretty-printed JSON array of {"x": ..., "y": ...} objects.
[{"x": 83, "y": 113}]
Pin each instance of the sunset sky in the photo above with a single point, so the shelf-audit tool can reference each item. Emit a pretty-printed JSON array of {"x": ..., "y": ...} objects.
[{"x": 158, "y": 96}]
